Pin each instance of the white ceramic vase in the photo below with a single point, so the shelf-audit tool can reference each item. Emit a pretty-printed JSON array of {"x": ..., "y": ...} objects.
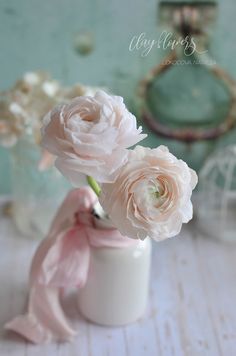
[{"x": 116, "y": 290}]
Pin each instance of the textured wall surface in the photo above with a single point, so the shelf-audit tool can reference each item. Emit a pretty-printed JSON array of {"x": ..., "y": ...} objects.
[{"x": 42, "y": 35}]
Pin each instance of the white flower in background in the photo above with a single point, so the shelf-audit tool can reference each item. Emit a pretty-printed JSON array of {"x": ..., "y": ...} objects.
[
  {"x": 89, "y": 135},
  {"x": 151, "y": 195},
  {"x": 13, "y": 119},
  {"x": 51, "y": 88},
  {"x": 7, "y": 136},
  {"x": 23, "y": 107},
  {"x": 32, "y": 78}
]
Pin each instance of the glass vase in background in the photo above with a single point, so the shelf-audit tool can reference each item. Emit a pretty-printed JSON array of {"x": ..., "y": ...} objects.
[
  {"x": 37, "y": 191},
  {"x": 188, "y": 101},
  {"x": 36, "y": 194},
  {"x": 216, "y": 198}
]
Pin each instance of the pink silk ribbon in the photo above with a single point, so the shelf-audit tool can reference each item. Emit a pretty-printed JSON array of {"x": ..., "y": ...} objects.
[{"x": 62, "y": 261}]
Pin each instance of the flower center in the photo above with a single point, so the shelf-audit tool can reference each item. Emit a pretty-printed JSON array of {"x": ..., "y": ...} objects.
[
  {"x": 158, "y": 193},
  {"x": 155, "y": 190},
  {"x": 89, "y": 114}
]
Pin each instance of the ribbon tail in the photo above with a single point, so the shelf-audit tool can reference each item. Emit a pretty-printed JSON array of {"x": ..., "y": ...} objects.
[
  {"x": 45, "y": 305},
  {"x": 58, "y": 263},
  {"x": 61, "y": 261},
  {"x": 45, "y": 320}
]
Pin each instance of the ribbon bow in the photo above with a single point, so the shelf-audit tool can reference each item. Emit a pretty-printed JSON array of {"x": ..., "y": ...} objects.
[{"x": 62, "y": 261}]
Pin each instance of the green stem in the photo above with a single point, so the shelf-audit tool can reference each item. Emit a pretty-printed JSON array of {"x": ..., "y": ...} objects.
[{"x": 94, "y": 185}]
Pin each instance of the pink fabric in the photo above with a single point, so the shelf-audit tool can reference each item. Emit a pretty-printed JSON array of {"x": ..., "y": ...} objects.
[{"x": 62, "y": 261}]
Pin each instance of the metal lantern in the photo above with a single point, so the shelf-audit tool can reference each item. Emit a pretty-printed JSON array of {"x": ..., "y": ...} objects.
[{"x": 216, "y": 199}]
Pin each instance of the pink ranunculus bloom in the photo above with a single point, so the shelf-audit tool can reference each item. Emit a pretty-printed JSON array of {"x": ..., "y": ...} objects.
[
  {"x": 90, "y": 135},
  {"x": 151, "y": 195}
]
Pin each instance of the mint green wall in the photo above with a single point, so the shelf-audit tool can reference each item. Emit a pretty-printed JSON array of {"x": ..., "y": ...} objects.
[{"x": 41, "y": 34}]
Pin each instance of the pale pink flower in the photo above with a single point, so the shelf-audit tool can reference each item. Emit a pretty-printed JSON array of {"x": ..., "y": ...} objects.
[
  {"x": 90, "y": 135},
  {"x": 151, "y": 195}
]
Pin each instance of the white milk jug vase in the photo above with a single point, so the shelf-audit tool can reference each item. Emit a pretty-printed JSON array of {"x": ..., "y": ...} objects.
[{"x": 116, "y": 291}]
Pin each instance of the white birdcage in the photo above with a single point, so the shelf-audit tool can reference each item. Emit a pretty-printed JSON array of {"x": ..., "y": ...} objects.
[{"x": 216, "y": 203}]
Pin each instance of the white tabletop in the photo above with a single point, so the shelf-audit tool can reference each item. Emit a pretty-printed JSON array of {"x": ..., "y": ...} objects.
[{"x": 191, "y": 311}]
